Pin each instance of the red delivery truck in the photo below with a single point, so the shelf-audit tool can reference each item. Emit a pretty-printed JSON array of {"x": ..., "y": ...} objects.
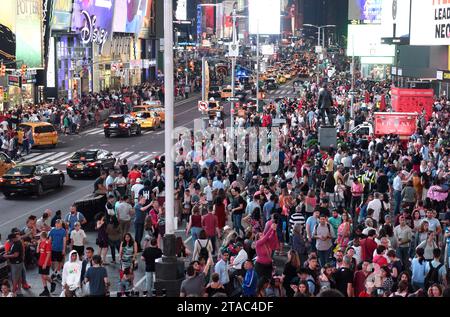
[
  {"x": 403, "y": 124},
  {"x": 412, "y": 100}
]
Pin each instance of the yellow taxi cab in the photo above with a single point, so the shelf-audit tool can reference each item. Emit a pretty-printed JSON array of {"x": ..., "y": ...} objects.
[
  {"x": 148, "y": 120},
  {"x": 215, "y": 109},
  {"x": 5, "y": 163},
  {"x": 146, "y": 106},
  {"x": 226, "y": 93},
  {"x": 287, "y": 75},
  {"x": 281, "y": 79},
  {"x": 160, "y": 111},
  {"x": 44, "y": 134}
]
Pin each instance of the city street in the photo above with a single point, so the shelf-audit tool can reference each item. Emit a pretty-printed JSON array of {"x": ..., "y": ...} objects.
[{"x": 136, "y": 149}]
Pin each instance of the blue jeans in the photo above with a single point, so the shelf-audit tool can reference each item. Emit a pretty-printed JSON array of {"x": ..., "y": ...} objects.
[
  {"x": 138, "y": 233},
  {"x": 403, "y": 254},
  {"x": 398, "y": 201},
  {"x": 237, "y": 223},
  {"x": 149, "y": 283},
  {"x": 195, "y": 232},
  {"x": 323, "y": 256}
]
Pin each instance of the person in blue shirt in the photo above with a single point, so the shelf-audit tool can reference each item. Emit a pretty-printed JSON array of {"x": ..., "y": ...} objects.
[
  {"x": 73, "y": 217},
  {"x": 250, "y": 282},
  {"x": 311, "y": 223},
  {"x": 57, "y": 236},
  {"x": 268, "y": 208},
  {"x": 221, "y": 268}
]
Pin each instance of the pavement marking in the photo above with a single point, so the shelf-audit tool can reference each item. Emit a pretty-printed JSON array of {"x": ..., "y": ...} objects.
[
  {"x": 97, "y": 131},
  {"x": 136, "y": 157},
  {"x": 62, "y": 160},
  {"x": 87, "y": 131},
  {"x": 39, "y": 157},
  {"x": 160, "y": 132},
  {"x": 26, "y": 157},
  {"x": 54, "y": 157},
  {"x": 124, "y": 155}
]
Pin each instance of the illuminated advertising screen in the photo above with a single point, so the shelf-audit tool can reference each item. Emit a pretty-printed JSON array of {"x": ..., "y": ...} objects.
[
  {"x": 29, "y": 32},
  {"x": 395, "y": 19},
  {"x": 430, "y": 22},
  {"x": 181, "y": 12},
  {"x": 264, "y": 16},
  {"x": 61, "y": 15},
  {"x": 102, "y": 10},
  {"x": 368, "y": 11},
  {"x": 365, "y": 40},
  {"x": 129, "y": 15},
  {"x": 8, "y": 30}
]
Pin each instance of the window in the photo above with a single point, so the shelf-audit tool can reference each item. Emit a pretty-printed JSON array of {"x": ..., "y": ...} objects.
[
  {"x": 44, "y": 129},
  {"x": 21, "y": 170}
]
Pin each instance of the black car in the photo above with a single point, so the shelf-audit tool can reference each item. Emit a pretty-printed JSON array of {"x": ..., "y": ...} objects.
[
  {"x": 121, "y": 125},
  {"x": 31, "y": 179},
  {"x": 89, "y": 163},
  {"x": 241, "y": 94},
  {"x": 271, "y": 84},
  {"x": 214, "y": 92}
]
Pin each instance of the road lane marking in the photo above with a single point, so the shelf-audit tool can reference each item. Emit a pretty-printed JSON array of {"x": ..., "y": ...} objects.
[
  {"x": 54, "y": 157},
  {"x": 136, "y": 157},
  {"x": 62, "y": 160},
  {"x": 39, "y": 157},
  {"x": 124, "y": 155}
]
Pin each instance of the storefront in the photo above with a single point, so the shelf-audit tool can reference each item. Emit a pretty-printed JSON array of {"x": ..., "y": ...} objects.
[{"x": 73, "y": 67}]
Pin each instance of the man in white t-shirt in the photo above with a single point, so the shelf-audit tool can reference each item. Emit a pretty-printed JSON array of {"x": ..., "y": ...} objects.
[
  {"x": 135, "y": 189},
  {"x": 78, "y": 239},
  {"x": 43, "y": 223},
  {"x": 375, "y": 204},
  {"x": 208, "y": 190}
]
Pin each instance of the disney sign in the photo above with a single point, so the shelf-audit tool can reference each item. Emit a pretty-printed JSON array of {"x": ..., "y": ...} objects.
[{"x": 91, "y": 33}]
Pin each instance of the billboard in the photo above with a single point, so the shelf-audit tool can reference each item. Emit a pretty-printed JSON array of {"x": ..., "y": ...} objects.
[
  {"x": 8, "y": 30},
  {"x": 264, "y": 16},
  {"x": 395, "y": 19},
  {"x": 430, "y": 23},
  {"x": 61, "y": 15},
  {"x": 365, "y": 40},
  {"x": 29, "y": 32},
  {"x": 129, "y": 15},
  {"x": 368, "y": 11},
  {"x": 181, "y": 12},
  {"x": 100, "y": 16}
]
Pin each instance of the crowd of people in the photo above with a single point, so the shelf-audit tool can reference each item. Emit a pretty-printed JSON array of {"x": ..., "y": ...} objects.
[{"x": 363, "y": 218}]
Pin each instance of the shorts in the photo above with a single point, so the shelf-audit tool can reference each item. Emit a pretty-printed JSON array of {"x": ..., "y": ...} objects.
[
  {"x": 45, "y": 271},
  {"x": 16, "y": 272},
  {"x": 57, "y": 256},
  {"x": 79, "y": 249}
]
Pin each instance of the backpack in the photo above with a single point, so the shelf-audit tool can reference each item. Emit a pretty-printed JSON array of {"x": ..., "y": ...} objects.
[
  {"x": 204, "y": 253},
  {"x": 317, "y": 225},
  {"x": 432, "y": 275}
]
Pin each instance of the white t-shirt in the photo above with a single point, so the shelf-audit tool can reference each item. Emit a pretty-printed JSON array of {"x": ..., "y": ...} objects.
[
  {"x": 77, "y": 237},
  {"x": 136, "y": 188},
  {"x": 208, "y": 192},
  {"x": 376, "y": 206}
]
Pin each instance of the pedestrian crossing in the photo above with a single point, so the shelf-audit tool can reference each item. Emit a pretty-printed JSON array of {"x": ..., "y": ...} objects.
[
  {"x": 282, "y": 92},
  {"x": 61, "y": 158},
  {"x": 99, "y": 131}
]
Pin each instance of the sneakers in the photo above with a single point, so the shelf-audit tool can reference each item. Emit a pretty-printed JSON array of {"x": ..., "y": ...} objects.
[
  {"x": 26, "y": 286},
  {"x": 52, "y": 287},
  {"x": 45, "y": 293},
  {"x": 59, "y": 277}
]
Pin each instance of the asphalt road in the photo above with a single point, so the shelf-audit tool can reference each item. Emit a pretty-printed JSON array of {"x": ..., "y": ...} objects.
[{"x": 137, "y": 149}]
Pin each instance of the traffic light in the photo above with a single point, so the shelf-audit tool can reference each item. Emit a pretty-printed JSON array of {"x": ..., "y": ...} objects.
[
  {"x": 3, "y": 70},
  {"x": 23, "y": 70},
  {"x": 192, "y": 66}
]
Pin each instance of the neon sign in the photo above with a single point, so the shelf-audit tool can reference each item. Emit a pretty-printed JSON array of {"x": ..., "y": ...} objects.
[{"x": 90, "y": 33}]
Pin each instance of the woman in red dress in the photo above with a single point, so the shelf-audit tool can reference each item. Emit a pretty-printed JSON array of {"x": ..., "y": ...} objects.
[{"x": 219, "y": 210}]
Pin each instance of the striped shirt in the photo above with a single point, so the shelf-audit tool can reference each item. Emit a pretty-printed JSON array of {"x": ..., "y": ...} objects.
[{"x": 294, "y": 219}]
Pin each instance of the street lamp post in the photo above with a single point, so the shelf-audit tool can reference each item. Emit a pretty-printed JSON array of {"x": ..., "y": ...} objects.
[
  {"x": 168, "y": 268},
  {"x": 318, "y": 41}
]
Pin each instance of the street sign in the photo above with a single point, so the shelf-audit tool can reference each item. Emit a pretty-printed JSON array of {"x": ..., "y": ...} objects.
[
  {"x": 235, "y": 99},
  {"x": 318, "y": 49},
  {"x": 233, "y": 50},
  {"x": 202, "y": 106}
]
